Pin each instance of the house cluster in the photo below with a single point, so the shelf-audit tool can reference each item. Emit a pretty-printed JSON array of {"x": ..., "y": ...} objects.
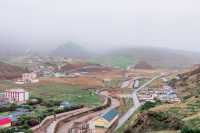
[
  {"x": 44, "y": 70},
  {"x": 164, "y": 94},
  {"x": 130, "y": 83},
  {"x": 28, "y": 78},
  {"x": 18, "y": 96},
  {"x": 11, "y": 119}
]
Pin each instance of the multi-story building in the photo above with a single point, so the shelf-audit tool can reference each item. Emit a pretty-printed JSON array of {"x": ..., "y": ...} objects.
[{"x": 18, "y": 96}]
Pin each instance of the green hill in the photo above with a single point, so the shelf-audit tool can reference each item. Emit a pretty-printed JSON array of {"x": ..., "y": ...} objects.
[
  {"x": 157, "y": 57},
  {"x": 71, "y": 50}
]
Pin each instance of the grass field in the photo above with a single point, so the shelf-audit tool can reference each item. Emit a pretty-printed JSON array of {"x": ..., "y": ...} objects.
[
  {"x": 65, "y": 92},
  {"x": 59, "y": 91}
]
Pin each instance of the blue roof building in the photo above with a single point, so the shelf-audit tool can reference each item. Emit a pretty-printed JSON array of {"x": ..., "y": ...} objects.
[{"x": 107, "y": 119}]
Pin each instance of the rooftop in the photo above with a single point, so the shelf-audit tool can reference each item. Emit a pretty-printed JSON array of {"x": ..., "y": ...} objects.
[
  {"x": 110, "y": 115},
  {"x": 16, "y": 90}
]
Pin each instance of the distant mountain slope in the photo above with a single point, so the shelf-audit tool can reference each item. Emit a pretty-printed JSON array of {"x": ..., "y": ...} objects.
[
  {"x": 71, "y": 50},
  {"x": 8, "y": 71},
  {"x": 10, "y": 50},
  {"x": 157, "y": 57}
]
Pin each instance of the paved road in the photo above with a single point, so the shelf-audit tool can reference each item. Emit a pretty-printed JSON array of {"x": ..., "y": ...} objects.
[{"x": 136, "y": 102}]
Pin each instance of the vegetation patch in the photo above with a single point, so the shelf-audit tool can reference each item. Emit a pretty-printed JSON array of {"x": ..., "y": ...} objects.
[
  {"x": 155, "y": 121},
  {"x": 149, "y": 105},
  {"x": 59, "y": 92},
  {"x": 115, "y": 61}
]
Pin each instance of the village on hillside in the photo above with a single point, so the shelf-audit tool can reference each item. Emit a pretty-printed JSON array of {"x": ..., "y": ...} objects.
[{"x": 36, "y": 96}]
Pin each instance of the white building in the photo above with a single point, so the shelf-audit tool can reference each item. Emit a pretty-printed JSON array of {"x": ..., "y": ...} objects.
[
  {"x": 136, "y": 83},
  {"x": 30, "y": 78},
  {"x": 17, "y": 95}
]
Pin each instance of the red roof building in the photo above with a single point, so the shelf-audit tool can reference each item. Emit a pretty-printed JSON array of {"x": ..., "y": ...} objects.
[{"x": 5, "y": 122}]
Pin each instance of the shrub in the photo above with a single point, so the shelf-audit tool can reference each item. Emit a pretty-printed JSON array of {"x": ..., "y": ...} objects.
[
  {"x": 149, "y": 105},
  {"x": 11, "y": 107},
  {"x": 189, "y": 130},
  {"x": 7, "y": 130}
]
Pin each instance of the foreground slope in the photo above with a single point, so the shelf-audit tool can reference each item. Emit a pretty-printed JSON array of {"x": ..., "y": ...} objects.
[{"x": 177, "y": 116}]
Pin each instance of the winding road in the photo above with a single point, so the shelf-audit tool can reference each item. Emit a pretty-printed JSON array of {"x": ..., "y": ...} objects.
[{"x": 136, "y": 102}]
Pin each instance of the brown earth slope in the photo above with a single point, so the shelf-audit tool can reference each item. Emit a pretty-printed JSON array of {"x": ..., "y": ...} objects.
[
  {"x": 154, "y": 121},
  {"x": 8, "y": 71},
  {"x": 188, "y": 83}
]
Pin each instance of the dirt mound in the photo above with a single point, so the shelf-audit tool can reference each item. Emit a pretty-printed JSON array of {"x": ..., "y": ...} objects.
[
  {"x": 154, "y": 121},
  {"x": 143, "y": 65},
  {"x": 8, "y": 71}
]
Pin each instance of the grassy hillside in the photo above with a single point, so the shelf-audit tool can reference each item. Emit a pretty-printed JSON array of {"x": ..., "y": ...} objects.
[
  {"x": 121, "y": 61},
  {"x": 157, "y": 57},
  {"x": 186, "y": 112}
]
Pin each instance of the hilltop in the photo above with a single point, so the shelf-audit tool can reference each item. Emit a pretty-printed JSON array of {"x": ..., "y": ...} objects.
[
  {"x": 71, "y": 50},
  {"x": 8, "y": 71}
]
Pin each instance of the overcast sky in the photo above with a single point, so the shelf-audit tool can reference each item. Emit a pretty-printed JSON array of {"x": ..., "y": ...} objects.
[{"x": 101, "y": 23}]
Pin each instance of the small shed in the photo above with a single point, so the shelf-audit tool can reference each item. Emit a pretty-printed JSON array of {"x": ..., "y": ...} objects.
[{"x": 65, "y": 105}]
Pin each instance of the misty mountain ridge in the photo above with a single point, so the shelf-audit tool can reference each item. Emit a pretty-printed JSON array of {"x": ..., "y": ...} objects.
[
  {"x": 155, "y": 56},
  {"x": 70, "y": 49},
  {"x": 123, "y": 57}
]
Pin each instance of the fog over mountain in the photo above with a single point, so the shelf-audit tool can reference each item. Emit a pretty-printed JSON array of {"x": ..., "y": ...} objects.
[{"x": 45, "y": 24}]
